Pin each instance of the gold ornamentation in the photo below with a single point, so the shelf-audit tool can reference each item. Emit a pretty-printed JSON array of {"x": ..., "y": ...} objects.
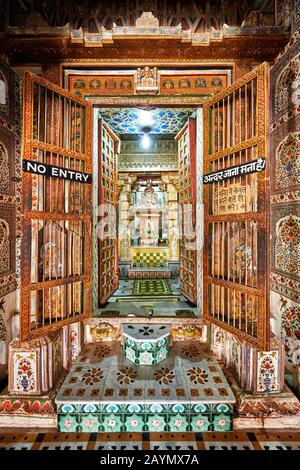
[
  {"x": 147, "y": 83},
  {"x": 147, "y": 20},
  {"x": 105, "y": 332},
  {"x": 187, "y": 332}
]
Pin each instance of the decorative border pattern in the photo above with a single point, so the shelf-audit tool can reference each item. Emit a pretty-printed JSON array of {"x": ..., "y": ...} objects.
[
  {"x": 289, "y": 288},
  {"x": 277, "y": 136}
]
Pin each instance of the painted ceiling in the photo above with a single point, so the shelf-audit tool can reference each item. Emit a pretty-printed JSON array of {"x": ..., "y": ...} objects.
[{"x": 128, "y": 120}]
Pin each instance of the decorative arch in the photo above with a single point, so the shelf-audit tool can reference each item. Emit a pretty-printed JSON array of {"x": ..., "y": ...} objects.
[
  {"x": 283, "y": 89},
  {"x": 287, "y": 245}
]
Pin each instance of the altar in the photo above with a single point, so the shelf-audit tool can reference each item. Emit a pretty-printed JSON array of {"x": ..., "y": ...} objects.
[
  {"x": 149, "y": 262},
  {"x": 148, "y": 210}
]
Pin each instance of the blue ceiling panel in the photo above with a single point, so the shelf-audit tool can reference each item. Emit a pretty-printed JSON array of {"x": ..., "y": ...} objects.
[{"x": 130, "y": 121}]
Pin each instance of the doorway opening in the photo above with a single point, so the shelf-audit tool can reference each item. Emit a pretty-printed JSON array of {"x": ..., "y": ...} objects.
[{"x": 145, "y": 199}]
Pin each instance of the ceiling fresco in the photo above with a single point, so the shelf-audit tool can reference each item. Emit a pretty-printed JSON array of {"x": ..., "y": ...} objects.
[
  {"x": 91, "y": 15},
  {"x": 130, "y": 120}
]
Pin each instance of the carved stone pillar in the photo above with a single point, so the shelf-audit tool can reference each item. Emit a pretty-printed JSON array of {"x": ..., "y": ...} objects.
[{"x": 124, "y": 221}]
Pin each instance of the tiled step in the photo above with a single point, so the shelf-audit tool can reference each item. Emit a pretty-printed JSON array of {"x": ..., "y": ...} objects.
[
  {"x": 105, "y": 392},
  {"x": 158, "y": 417}
]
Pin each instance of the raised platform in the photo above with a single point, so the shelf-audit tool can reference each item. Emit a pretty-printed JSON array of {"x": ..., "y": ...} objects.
[{"x": 105, "y": 392}]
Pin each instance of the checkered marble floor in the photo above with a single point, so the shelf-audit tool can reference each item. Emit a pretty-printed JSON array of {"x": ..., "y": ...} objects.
[
  {"x": 106, "y": 392},
  {"x": 122, "y": 303},
  {"x": 236, "y": 440}
]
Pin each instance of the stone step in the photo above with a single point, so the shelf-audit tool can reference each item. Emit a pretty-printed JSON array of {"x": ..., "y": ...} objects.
[{"x": 105, "y": 392}]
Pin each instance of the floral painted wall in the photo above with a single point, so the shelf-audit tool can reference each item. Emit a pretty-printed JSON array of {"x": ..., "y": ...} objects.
[
  {"x": 285, "y": 200},
  {"x": 10, "y": 206}
]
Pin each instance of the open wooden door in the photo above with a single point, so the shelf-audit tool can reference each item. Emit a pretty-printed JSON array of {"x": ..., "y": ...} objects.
[
  {"x": 57, "y": 206},
  {"x": 236, "y": 213},
  {"x": 187, "y": 173},
  {"x": 109, "y": 147}
]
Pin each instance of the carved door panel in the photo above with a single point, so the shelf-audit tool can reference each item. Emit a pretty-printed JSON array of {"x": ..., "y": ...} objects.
[
  {"x": 108, "y": 200},
  {"x": 56, "y": 227},
  {"x": 186, "y": 139},
  {"x": 236, "y": 231}
]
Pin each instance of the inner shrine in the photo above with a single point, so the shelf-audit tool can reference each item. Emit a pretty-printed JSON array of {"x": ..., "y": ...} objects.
[{"x": 149, "y": 220}]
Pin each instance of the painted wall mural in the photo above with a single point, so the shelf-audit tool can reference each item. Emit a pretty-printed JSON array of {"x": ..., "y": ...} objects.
[
  {"x": 10, "y": 203},
  {"x": 287, "y": 245},
  {"x": 283, "y": 85},
  {"x": 101, "y": 85},
  {"x": 285, "y": 202},
  {"x": 36, "y": 366},
  {"x": 267, "y": 371},
  {"x": 164, "y": 82},
  {"x": 255, "y": 371},
  {"x": 290, "y": 329},
  {"x": 287, "y": 172},
  {"x": 191, "y": 84}
]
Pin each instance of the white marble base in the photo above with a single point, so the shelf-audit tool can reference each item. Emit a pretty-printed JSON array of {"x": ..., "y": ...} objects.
[
  {"x": 282, "y": 422},
  {"x": 13, "y": 421}
]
